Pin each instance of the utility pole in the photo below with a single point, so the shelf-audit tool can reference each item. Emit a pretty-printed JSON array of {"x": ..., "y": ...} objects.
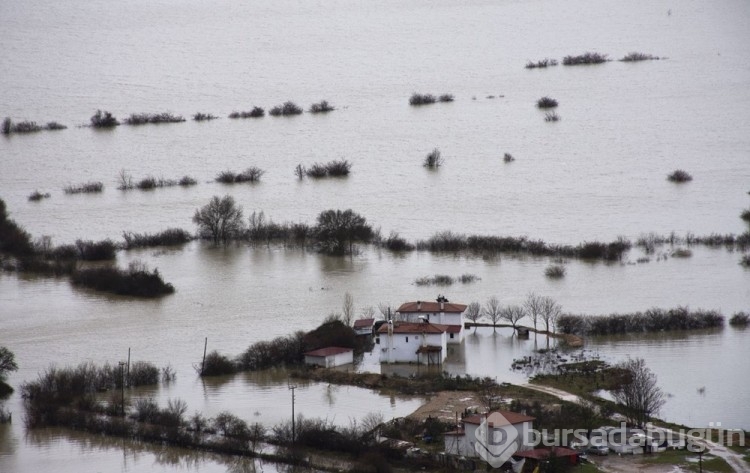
[
  {"x": 122, "y": 387},
  {"x": 292, "y": 387}
]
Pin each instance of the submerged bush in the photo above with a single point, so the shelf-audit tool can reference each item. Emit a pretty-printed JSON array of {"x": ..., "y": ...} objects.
[
  {"x": 586, "y": 58},
  {"x": 338, "y": 168},
  {"x": 740, "y": 319},
  {"x": 287, "y": 109},
  {"x": 256, "y": 112},
  {"x": 745, "y": 215},
  {"x": 394, "y": 242},
  {"x": 433, "y": 159},
  {"x": 541, "y": 63},
  {"x": 421, "y": 99},
  {"x": 551, "y": 117},
  {"x": 438, "y": 280},
  {"x": 682, "y": 253},
  {"x": 555, "y": 271},
  {"x": 7, "y": 126},
  {"x": 103, "y": 120},
  {"x": 633, "y": 57},
  {"x": 679, "y": 175},
  {"x": 169, "y": 237},
  {"x": 86, "y": 188},
  {"x": 187, "y": 181},
  {"x": 96, "y": 251},
  {"x": 37, "y": 196},
  {"x": 508, "y": 158},
  {"x": 217, "y": 364},
  {"x": 55, "y": 126},
  {"x": 143, "y": 118},
  {"x": 20, "y": 127},
  {"x": 546, "y": 102},
  {"x": 321, "y": 107},
  {"x": 142, "y": 373},
  {"x": 446, "y": 98},
  {"x": 135, "y": 281},
  {"x": 200, "y": 117},
  {"x": 251, "y": 174},
  {"x": 745, "y": 260}
]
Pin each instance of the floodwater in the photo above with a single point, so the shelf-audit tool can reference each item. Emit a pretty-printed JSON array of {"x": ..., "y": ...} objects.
[{"x": 596, "y": 174}]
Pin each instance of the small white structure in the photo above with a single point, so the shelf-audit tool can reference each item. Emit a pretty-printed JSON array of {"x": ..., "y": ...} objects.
[
  {"x": 363, "y": 326},
  {"x": 329, "y": 357},
  {"x": 463, "y": 440},
  {"x": 439, "y": 312},
  {"x": 407, "y": 342}
]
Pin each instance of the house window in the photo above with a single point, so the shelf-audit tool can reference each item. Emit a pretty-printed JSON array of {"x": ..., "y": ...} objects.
[
  {"x": 451, "y": 335},
  {"x": 407, "y": 339}
]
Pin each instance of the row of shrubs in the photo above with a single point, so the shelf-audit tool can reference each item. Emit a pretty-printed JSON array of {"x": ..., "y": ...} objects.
[
  {"x": 652, "y": 320},
  {"x": 334, "y": 168},
  {"x": 650, "y": 241},
  {"x": 8, "y": 126},
  {"x": 283, "y": 350},
  {"x": 417, "y": 99},
  {"x": 590, "y": 58},
  {"x": 445, "y": 280},
  {"x": 135, "y": 281}
]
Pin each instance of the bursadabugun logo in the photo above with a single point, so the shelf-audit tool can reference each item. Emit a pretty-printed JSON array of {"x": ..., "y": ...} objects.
[{"x": 496, "y": 440}]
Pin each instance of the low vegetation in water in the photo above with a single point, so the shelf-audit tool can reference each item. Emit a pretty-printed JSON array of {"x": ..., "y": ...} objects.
[
  {"x": 436, "y": 280},
  {"x": 145, "y": 118},
  {"x": 508, "y": 158},
  {"x": 335, "y": 168},
  {"x": 542, "y": 63},
  {"x": 321, "y": 107},
  {"x": 551, "y": 117},
  {"x": 446, "y": 98},
  {"x": 585, "y": 58},
  {"x": 679, "y": 175},
  {"x": 186, "y": 181},
  {"x": 96, "y": 250},
  {"x": 135, "y": 281},
  {"x": 288, "y": 108},
  {"x": 433, "y": 160},
  {"x": 168, "y": 237},
  {"x": 256, "y": 112},
  {"x": 421, "y": 99},
  {"x": 202, "y": 117},
  {"x": 546, "y": 102},
  {"x": 652, "y": 320},
  {"x": 395, "y": 242},
  {"x": 9, "y": 127},
  {"x": 103, "y": 119},
  {"x": 555, "y": 271},
  {"x": 740, "y": 319},
  {"x": 745, "y": 215},
  {"x": 745, "y": 260},
  {"x": 682, "y": 253},
  {"x": 650, "y": 241},
  {"x": 85, "y": 188},
  {"x": 635, "y": 56},
  {"x": 251, "y": 174},
  {"x": 36, "y": 196}
]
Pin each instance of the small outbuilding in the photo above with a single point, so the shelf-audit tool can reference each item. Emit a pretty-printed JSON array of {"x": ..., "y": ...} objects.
[
  {"x": 364, "y": 326},
  {"x": 330, "y": 357}
]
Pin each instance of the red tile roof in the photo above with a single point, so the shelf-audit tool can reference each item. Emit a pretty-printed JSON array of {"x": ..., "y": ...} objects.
[
  {"x": 328, "y": 351},
  {"x": 544, "y": 453},
  {"x": 431, "y": 307},
  {"x": 511, "y": 417},
  {"x": 363, "y": 323},
  {"x": 414, "y": 327},
  {"x": 452, "y": 328}
]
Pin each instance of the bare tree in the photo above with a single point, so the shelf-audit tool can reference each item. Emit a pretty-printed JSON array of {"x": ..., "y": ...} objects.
[
  {"x": 221, "y": 219},
  {"x": 551, "y": 310},
  {"x": 639, "y": 394},
  {"x": 368, "y": 312},
  {"x": 473, "y": 312},
  {"x": 513, "y": 314},
  {"x": 492, "y": 310},
  {"x": 347, "y": 309},
  {"x": 385, "y": 309},
  {"x": 533, "y": 305}
]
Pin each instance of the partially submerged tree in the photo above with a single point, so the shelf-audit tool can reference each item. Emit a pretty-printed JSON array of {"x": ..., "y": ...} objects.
[
  {"x": 533, "y": 306},
  {"x": 337, "y": 228},
  {"x": 551, "y": 310},
  {"x": 473, "y": 312},
  {"x": 513, "y": 314},
  {"x": 639, "y": 395},
  {"x": 347, "y": 309},
  {"x": 7, "y": 364},
  {"x": 220, "y": 219},
  {"x": 492, "y": 310}
]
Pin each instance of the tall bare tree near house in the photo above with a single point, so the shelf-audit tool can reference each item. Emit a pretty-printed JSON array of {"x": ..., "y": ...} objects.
[
  {"x": 347, "y": 309},
  {"x": 492, "y": 310},
  {"x": 385, "y": 309},
  {"x": 533, "y": 305},
  {"x": 473, "y": 312},
  {"x": 551, "y": 310},
  {"x": 367, "y": 312},
  {"x": 639, "y": 394},
  {"x": 513, "y": 314}
]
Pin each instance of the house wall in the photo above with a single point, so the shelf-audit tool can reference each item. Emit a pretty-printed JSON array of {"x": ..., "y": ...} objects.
[
  {"x": 521, "y": 432},
  {"x": 457, "y": 445},
  {"x": 341, "y": 359},
  {"x": 442, "y": 318},
  {"x": 403, "y": 347}
]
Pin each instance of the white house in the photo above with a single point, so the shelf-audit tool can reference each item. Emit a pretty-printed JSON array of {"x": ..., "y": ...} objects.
[
  {"x": 439, "y": 312},
  {"x": 363, "y": 326},
  {"x": 465, "y": 440},
  {"x": 329, "y": 356},
  {"x": 408, "y": 342}
]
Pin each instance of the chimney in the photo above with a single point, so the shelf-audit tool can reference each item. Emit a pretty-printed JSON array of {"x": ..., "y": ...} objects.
[
  {"x": 419, "y": 306},
  {"x": 442, "y": 305}
]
